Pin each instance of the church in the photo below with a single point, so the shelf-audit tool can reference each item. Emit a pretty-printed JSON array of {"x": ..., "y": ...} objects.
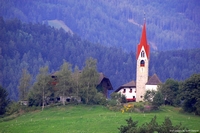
[{"x": 135, "y": 90}]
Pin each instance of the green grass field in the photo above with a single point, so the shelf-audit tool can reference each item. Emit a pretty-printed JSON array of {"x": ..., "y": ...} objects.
[{"x": 88, "y": 119}]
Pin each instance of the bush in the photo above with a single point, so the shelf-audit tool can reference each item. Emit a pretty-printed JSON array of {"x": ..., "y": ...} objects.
[
  {"x": 158, "y": 99},
  {"x": 13, "y": 107},
  {"x": 150, "y": 127},
  {"x": 100, "y": 99},
  {"x": 112, "y": 102}
]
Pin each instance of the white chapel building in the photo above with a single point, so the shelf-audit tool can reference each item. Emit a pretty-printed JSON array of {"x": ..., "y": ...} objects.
[{"x": 135, "y": 90}]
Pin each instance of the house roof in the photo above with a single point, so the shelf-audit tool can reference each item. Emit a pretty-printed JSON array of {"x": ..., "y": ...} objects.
[
  {"x": 129, "y": 84},
  {"x": 153, "y": 80},
  {"x": 143, "y": 42},
  {"x": 102, "y": 77}
]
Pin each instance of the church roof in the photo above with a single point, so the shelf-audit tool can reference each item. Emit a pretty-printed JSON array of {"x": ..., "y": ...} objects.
[
  {"x": 153, "y": 80},
  {"x": 129, "y": 84},
  {"x": 143, "y": 42}
]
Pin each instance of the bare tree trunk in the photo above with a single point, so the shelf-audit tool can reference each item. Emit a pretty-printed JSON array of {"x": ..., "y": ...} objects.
[
  {"x": 87, "y": 94},
  {"x": 77, "y": 88},
  {"x": 63, "y": 92},
  {"x": 63, "y": 100},
  {"x": 42, "y": 98}
]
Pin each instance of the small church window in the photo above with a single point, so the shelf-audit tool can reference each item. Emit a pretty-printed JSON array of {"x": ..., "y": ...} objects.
[
  {"x": 142, "y": 63},
  {"x": 142, "y": 54},
  {"x": 130, "y": 91},
  {"x": 124, "y": 91}
]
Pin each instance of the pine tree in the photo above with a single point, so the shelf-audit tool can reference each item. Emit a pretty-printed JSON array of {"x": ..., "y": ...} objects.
[{"x": 4, "y": 100}]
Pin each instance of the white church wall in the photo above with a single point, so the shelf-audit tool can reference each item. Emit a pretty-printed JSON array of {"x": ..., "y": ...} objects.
[{"x": 151, "y": 87}]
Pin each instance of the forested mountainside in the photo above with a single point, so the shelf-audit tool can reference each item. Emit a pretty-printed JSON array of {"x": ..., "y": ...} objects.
[
  {"x": 31, "y": 46},
  {"x": 171, "y": 24}
]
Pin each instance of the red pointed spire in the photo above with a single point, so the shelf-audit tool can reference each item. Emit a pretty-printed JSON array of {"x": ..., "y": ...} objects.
[{"x": 143, "y": 42}]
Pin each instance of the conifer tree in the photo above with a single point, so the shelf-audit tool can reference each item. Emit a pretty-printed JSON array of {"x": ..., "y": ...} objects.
[{"x": 4, "y": 100}]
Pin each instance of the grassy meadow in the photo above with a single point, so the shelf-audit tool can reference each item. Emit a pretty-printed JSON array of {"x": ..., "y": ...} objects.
[{"x": 88, "y": 119}]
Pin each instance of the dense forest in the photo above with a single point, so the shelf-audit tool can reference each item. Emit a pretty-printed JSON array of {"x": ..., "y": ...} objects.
[
  {"x": 33, "y": 45},
  {"x": 171, "y": 24}
]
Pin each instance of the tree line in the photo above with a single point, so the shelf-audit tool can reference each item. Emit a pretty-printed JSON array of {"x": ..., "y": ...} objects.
[
  {"x": 31, "y": 46},
  {"x": 117, "y": 23},
  {"x": 77, "y": 85},
  {"x": 183, "y": 94}
]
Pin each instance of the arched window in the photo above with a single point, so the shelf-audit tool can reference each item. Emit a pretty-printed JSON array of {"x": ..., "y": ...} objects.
[
  {"x": 142, "y": 54},
  {"x": 142, "y": 63}
]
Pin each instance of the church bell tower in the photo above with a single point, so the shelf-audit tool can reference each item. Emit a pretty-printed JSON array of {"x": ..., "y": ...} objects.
[{"x": 142, "y": 68}]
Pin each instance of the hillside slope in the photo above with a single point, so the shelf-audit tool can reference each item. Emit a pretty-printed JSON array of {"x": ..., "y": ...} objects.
[
  {"x": 171, "y": 24},
  {"x": 98, "y": 119},
  {"x": 32, "y": 46},
  {"x": 59, "y": 24}
]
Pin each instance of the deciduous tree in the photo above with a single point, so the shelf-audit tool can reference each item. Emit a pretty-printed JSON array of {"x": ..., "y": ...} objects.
[
  {"x": 24, "y": 84},
  {"x": 41, "y": 88},
  {"x": 76, "y": 80},
  {"x": 89, "y": 80},
  {"x": 65, "y": 82},
  {"x": 158, "y": 99},
  {"x": 190, "y": 95},
  {"x": 149, "y": 95},
  {"x": 170, "y": 91}
]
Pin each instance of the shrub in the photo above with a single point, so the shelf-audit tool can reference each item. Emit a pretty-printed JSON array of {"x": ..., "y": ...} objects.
[
  {"x": 150, "y": 127},
  {"x": 111, "y": 102},
  {"x": 127, "y": 108},
  {"x": 13, "y": 107},
  {"x": 100, "y": 99}
]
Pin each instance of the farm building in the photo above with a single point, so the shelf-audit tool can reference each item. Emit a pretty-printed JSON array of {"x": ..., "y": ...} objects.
[{"x": 103, "y": 85}]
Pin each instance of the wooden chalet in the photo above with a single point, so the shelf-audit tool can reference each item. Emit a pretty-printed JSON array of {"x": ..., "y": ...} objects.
[{"x": 103, "y": 85}]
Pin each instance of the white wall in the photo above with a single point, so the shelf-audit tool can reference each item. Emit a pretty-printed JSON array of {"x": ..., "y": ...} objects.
[
  {"x": 151, "y": 87},
  {"x": 127, "y": 92}
]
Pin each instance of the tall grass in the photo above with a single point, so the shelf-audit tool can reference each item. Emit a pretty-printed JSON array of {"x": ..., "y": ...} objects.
[{"x": 88, "y": 119}]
